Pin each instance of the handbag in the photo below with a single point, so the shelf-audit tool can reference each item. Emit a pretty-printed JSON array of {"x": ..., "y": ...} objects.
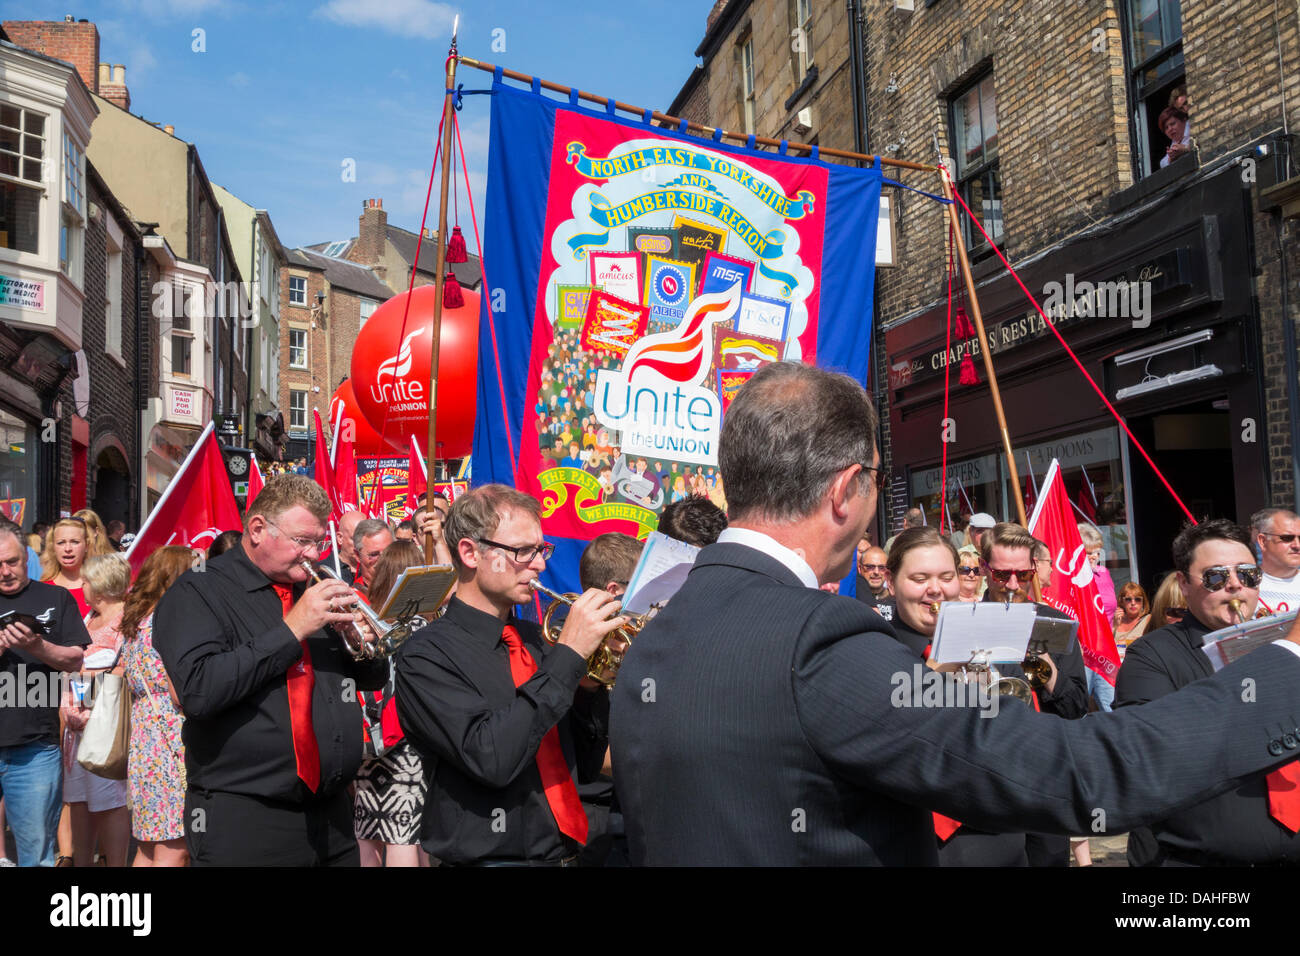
[{"x": 106, "y": 740}]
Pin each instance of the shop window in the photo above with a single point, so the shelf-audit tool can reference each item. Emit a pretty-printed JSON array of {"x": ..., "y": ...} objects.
[
  {"x": 297, "y": 410},
  {"x": 297, "y": 348},
  {"x": 974, "y": 118},
  {"x": 297, "y": 290},
  {"x": 17, "y": 469},
  {"x": 1154, "y": 51}
]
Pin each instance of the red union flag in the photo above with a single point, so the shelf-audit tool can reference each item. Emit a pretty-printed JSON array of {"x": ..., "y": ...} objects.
[
  {"x": 197, "y": 505},
  {"x": 1073, "y": 589}
]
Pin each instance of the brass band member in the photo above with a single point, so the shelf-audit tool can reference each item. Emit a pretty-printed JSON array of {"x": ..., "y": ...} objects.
[
  {"x": 500, "y": 718},
  {"x": 270, "y": 735}
]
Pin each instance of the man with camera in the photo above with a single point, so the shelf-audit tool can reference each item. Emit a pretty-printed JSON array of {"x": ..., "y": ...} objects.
[{"x": 41, "y": 637}]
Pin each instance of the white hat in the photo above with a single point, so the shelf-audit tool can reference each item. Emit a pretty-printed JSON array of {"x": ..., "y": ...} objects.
[{"x": 982, "y": 519}]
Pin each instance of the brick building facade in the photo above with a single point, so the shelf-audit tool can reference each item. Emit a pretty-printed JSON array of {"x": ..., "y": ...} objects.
[{"x": 1047, "y": 113}]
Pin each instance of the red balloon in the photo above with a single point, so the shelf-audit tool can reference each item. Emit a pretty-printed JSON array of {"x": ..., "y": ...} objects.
[
  {"x": 390, "y": 372},
  {"x": 366, "y": 442}
]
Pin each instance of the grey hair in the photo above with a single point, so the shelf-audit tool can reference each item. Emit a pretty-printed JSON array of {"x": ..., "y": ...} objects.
[
  {"x": 790, "y": 430},
  {"x": 1262, "y": 521},
  {"x": 366, "y": 528}
]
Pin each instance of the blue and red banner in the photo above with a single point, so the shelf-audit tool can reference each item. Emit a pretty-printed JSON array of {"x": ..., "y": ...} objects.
[{"x": 616, "y": 359}]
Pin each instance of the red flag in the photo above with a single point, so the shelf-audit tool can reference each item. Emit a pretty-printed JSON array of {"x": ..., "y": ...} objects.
[
  {"x": 1087, "y": 498},
  {"x": 1031, "y": 494},
  {"x": 417, "y": 479},
  {"x": 345, "y": 468},
  {"x": 1073, "y": 589},
  {"x": 255, "y": 482},
  {"x": 196, "y": 506},
  {"x": 325, "y": 471},
  {"x": 372, "y": 500}
]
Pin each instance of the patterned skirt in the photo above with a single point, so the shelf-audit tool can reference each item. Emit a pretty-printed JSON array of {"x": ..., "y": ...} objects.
[{"x": 390, "y": 797}]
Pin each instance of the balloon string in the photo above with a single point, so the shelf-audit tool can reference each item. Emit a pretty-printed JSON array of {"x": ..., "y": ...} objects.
[{"x": 492, "y": 327}]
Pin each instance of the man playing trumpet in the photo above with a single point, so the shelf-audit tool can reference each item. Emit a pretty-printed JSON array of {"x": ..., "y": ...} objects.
[
  {"x": 268, "y": 690},
  {"x": 500, "y": 718}
]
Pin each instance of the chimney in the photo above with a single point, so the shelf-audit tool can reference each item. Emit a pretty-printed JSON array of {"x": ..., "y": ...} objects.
[
  {"x": 75, "y": 42},
  {"x": 115, "y": 91},
  {"x": 372, "y": 234}
]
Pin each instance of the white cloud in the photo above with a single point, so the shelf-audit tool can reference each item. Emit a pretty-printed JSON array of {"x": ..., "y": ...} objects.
[{"x": 419, "y": 18}]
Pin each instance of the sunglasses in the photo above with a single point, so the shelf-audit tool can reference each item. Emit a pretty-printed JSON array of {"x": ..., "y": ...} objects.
[
  {"x": 1216, "y": 578},
  {"x": 968, "y": 571},
  {"x": 873, "y": 567},
  {"x": 1284, "y": 538},
  {"x": 1003, "y": 577}
]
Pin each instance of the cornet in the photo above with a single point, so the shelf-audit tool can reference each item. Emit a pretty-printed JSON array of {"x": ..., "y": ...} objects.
[
  {"x": 605, "y": 660},
  {"x": 388, "y": 637}
]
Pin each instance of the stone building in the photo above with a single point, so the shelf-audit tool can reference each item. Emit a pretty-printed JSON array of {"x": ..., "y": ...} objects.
[{"x": 1171, "y": 281}]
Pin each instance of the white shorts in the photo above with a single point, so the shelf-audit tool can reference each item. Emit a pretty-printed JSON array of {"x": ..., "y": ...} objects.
[{"x": 97, "y": 793}]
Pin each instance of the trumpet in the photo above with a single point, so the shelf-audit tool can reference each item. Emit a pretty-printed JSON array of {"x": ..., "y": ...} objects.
[
  {"x": 605, "y": 660},
  {"x": 388, "y": 637},
  {"x": 1235, "y": 605},
  {"x": 983, "y": 667}
]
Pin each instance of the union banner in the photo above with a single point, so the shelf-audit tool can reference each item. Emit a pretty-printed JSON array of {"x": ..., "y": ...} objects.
[{"x": 639, "y": 276}]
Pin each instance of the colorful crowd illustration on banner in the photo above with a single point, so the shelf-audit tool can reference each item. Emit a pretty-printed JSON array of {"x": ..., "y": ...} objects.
[{"x": 667, "y": 269}]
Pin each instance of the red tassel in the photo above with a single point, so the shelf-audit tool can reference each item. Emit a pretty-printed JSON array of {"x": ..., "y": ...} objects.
[
  {"x": 451, "y": 296},
  {"x": 456, "y": 246},
  {"x": 968, "y": 374},
  {"x": 965, "y": 327}
]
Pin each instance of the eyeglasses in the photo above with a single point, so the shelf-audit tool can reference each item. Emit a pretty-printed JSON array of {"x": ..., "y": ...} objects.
[
  {"x": 1284, "y": 538},
  {"x": 525, "y": 553},
  {"x": 1216, "y": 578},
  {"x": 881, "y": 476},
  {"x": 1003, "y": 577},
  {"x": 1132, "y": 598},
  {"x": 302, "y": 544},
  {"x": 873, "y": 567},
  {"x": 968, "y": 571}
]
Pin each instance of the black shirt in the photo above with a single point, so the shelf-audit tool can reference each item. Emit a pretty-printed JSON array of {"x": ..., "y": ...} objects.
[
  {"x": 221, "y": 635},
  {"x": 30, "y": 688},
  {"x": 478, "y": 735},
  {"x": 1233, "y": 828}
]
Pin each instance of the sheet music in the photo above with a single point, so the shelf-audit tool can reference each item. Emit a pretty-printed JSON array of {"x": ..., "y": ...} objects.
[
  {"x": 419, "y": 590},
  {"x": 662, "y": 570},
  {"x": 1232, "y": 643},
  {"x": 1001, "y": 629}
]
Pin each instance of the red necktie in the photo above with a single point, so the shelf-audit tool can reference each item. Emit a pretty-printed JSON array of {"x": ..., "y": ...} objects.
[
  {"x": 561, "y": 794},
  {"x": 1284, "y": 795},
  {"x": 301, "y": 682}
]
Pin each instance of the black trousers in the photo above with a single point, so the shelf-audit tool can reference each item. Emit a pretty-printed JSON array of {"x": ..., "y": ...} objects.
[{"x": 231, "y": 829}]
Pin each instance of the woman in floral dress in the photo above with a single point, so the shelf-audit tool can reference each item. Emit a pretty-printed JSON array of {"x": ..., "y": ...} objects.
[{"x": 156, "y": 760}]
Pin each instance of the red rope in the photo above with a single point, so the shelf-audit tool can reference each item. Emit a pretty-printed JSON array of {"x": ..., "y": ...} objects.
[
  {"x": 492, "y": 328},
  {"x": 947, "y": 377},
  {"x": 1069, "y": 351}
]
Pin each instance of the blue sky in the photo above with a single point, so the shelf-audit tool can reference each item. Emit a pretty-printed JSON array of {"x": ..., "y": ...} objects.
[{"x": 284, "y": 92}]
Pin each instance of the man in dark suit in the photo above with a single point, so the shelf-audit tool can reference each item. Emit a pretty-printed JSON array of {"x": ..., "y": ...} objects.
[
  {"x": 758, "y": 719},
  {"x": 1255, "y": 822}
]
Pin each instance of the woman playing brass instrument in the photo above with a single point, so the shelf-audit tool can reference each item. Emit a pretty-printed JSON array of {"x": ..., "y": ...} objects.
[{"x": 922, "y": 573}]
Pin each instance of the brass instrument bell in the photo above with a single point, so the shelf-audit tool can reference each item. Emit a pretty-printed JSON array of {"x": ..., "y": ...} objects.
[
  {"x": 388, "y": 637},
  {"x": 605, "y": 660}
]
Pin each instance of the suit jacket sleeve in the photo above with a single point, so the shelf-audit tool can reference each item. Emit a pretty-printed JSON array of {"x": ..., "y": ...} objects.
[
  {"x": 1070, "y": 699},
  {"x": 209, "y": 674},
  {"x": 1020, "y": 770},
  {"x": 442, "y": 712}
]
